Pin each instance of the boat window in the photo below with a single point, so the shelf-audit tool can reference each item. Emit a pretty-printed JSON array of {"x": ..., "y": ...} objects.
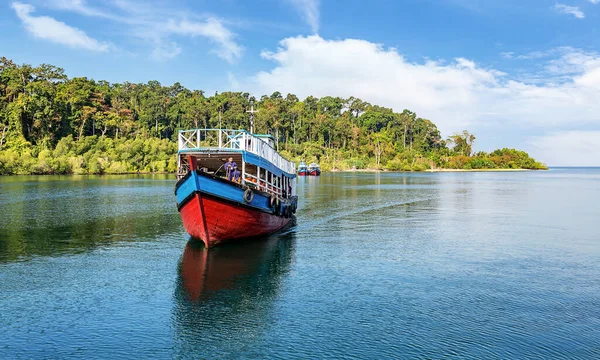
[{"x": 209, "y": 163}]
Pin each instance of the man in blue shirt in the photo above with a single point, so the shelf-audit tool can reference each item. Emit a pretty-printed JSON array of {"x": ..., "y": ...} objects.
[{"x": 231, "y": 169}]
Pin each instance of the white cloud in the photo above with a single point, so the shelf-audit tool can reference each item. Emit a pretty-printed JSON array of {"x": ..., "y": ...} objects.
[
  {"x": 454, "y": 95},
  {"x": 594, "y": 1},
  {"x": 165, "y": 51},
  {"x": 159, "y": 25},
  {"x": 212, "y": 29},
  {"x": 570, "y": 10},
  {"x": 309, "y": 10},
  {"x": 79, "y": 6},
  {"x": 530, "y": 56},
  {"x": 572, "y": 148},
  {"x": 47, "y": 28},
  {"x": 573, "y": 61},
  {"x": 314, "y": 66}
]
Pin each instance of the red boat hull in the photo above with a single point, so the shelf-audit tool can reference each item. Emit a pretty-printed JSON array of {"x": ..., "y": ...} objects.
[{"x": 215, "y": 221}]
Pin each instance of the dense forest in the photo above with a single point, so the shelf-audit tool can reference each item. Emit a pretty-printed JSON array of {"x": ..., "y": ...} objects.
[{"x": 50, "y": 124}]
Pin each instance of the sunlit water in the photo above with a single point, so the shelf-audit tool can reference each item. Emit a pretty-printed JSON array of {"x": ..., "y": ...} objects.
[{"x": 391, "y": 265}]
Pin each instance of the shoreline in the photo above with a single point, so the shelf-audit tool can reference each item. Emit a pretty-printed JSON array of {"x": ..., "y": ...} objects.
[
  {"x": 481, "y": 170},
  {"x": 103, "y": 174},
  {"x": 435, "y": 170},
  {"x": 330, "y": 171}
]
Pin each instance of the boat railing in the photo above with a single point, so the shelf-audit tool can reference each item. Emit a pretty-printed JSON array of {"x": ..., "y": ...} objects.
[
  {"x": 262, "y": 184},
  {"x": 223, "y": 140}
]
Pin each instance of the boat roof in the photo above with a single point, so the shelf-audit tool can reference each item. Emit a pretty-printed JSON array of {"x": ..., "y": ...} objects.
[
  {"x": 221, "y": 141},
  {"x": 269, "y": 136}
]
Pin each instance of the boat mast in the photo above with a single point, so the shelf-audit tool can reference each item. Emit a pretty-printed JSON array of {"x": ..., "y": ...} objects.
[{"x": 252, "y": 111}]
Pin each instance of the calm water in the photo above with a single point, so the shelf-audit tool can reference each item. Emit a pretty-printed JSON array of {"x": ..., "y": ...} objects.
[{"x": 462, "y": 265}]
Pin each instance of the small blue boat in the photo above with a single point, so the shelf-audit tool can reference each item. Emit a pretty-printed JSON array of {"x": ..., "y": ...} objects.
[
  {"x": 302, "y": 169},
  {"x": 314, "y": 169}
]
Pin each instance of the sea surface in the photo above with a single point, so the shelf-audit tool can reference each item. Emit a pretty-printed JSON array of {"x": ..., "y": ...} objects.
[{"x": 378, "y": 266}]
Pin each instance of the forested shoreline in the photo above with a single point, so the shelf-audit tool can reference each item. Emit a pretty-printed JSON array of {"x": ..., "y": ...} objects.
[{"x": 52, "y": 124}]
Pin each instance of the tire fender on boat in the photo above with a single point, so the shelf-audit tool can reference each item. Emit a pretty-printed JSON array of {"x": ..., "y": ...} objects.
[
  {"x": 293, "y": 207},
  {"x": 287, "y": 212},
  {"x": 248, "y": 195},
  {"x": 276, "y": 205}
]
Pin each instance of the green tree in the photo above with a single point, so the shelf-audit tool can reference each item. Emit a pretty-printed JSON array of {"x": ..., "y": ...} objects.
[
  {"x": 462, "y": 142},
  {"x": 50, "y": 123}
]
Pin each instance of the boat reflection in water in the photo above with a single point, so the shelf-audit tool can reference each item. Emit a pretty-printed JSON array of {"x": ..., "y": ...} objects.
[{"x": 228, "y": 292}]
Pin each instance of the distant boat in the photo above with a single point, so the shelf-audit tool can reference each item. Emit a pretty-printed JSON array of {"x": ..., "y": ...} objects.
[
  {"x": 219, "y": 205},
  {"x": 314, "y": 169},
  {"x": 302, "y": 169}
]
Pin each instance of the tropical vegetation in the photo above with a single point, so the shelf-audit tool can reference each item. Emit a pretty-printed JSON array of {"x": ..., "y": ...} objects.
[{"x": 52, "y": 124}]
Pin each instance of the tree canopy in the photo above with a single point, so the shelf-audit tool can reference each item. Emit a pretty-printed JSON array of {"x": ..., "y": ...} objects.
[{"x": 50, "y": 123}]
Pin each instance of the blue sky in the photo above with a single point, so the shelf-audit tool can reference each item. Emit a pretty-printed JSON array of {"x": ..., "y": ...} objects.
[{"x": 522, "y": 74}]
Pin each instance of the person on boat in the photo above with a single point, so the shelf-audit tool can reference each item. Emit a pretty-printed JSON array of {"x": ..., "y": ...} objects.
[
  {"x": 235, "y": 173},
  {"x": 229, "y": 165}
]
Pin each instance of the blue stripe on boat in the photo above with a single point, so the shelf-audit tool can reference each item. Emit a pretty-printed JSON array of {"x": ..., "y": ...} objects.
[{"x": 218, "y": 188}]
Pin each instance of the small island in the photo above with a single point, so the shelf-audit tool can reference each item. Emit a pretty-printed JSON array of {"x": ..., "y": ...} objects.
[{"x": 53, "y": 124}]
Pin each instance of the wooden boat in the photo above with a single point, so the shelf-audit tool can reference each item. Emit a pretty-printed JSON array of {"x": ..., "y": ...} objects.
[
  {"x": 314, "y": 169},
  {"x": 216, "y": 207},
  {"x": 302, "y": 169}
]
